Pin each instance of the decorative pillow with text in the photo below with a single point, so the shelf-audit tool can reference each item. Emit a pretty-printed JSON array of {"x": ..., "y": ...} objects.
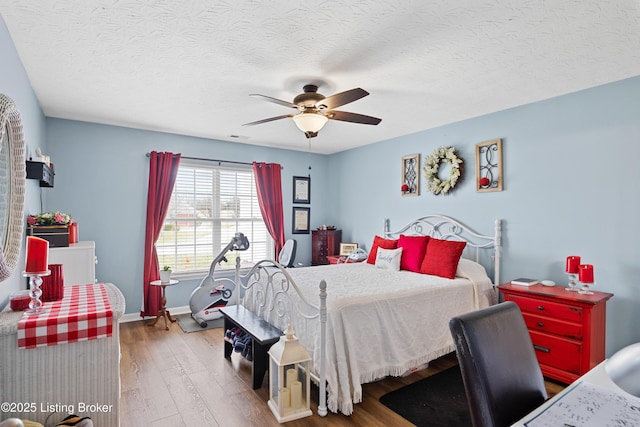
[
  {"x": 389, "y": 259},
  {"x": 379, "y": 242}
]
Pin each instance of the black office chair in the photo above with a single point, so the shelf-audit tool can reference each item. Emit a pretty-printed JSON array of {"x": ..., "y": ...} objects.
[{"x": 502, "y": 378}]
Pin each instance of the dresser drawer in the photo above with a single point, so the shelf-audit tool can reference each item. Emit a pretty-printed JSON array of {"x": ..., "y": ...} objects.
[
  {"x": 546, "y": 308},
  {"x": 553, "y": 326},
  {"x": 557, "y": 352}
]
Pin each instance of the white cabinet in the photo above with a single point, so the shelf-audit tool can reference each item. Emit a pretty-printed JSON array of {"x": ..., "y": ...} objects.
[{"x": 78, "y": 260}]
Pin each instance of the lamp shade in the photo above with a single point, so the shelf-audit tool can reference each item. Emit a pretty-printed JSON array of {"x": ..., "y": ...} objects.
[{"x": 310, "y": 122}]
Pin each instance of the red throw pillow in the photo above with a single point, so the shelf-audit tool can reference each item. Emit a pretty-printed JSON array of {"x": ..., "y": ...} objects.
[
  {"x": 379, "y": 242},
  {"x": 413, "y": 250},
  {"x": 442, "y": 257}
]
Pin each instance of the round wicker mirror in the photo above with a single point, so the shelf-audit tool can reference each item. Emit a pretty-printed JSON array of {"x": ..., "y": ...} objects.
[{"x": 12, "y": 184}]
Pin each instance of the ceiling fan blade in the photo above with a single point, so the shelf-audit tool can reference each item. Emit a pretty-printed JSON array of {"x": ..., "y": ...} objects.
[
  {"x": 270, "y": 119},
  {"x": 342, "y": 98},
  {"x": 275, "y": 100},
  {"x": 353, "y": 117}
]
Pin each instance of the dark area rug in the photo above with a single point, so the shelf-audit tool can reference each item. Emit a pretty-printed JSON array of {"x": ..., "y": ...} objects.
[{"x": 435, "y": 401}]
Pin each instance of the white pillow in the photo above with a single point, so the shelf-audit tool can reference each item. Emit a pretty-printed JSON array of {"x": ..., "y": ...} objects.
[{"x": 389, "y": 259}]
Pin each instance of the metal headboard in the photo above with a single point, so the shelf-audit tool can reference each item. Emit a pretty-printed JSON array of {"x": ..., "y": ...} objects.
[{"x": 446, "y": 228}]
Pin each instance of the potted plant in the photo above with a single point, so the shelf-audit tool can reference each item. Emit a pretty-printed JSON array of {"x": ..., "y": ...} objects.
[{"x": 165, "y": 274}]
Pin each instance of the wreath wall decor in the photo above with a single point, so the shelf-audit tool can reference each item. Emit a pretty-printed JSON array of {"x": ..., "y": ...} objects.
[{"x": 432, "y": 166}]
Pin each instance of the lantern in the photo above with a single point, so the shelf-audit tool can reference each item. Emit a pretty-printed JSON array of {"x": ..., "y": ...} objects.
[{"x": 289, "y": 379}]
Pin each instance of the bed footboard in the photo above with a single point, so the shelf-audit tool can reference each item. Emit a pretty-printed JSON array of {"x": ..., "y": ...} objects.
[{"x": 271, "y": 293}]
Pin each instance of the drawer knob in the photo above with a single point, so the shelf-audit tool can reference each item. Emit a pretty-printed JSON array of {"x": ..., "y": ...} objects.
[
  {"x": 540, "y": 307},
  {"x": 540, "y": 324}
]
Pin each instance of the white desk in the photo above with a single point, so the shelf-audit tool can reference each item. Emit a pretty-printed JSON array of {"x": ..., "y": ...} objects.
[{"x": 596, "y": 376}]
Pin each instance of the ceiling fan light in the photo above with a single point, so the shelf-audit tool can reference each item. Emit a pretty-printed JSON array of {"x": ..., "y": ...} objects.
[{"x": 310, "y": 122}]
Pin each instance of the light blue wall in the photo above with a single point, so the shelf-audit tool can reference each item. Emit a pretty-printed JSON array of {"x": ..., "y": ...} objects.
[
  {"x": 570, "y": 175},
  {"x": 15, "y": 84},
  {"x": 102, "y": 178},
  {"x": 571, "y": 179}
]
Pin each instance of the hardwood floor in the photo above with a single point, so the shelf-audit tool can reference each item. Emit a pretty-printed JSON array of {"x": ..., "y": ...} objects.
[{"x": 171, "y": 379}]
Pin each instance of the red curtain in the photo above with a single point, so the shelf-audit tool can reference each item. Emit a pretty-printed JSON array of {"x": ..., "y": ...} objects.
[
  {"x": 163, "y": 168},
  {"x": 269, "y": 189}
]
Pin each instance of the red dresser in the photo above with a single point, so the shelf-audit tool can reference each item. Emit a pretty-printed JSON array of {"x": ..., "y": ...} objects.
[{"x": 567, "y": 328}]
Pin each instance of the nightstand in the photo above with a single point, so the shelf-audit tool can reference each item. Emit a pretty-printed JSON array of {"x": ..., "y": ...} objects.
[{"x": 567, "y": 328}]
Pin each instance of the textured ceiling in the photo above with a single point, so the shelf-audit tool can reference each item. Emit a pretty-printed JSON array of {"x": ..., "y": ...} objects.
[{"x": 187, "y": 67}]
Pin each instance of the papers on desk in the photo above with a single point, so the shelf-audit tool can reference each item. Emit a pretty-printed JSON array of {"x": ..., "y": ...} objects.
[{"x": 590, "y": 405}]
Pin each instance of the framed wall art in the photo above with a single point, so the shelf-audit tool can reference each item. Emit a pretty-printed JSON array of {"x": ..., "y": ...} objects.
[
  {"x": 347, "y": 248},
  {"x": 411, "y": 175},
  {"x": 301, "y": 220},
  {"x": 301, "y": 189},
  {"x": 489, "y": 166}
]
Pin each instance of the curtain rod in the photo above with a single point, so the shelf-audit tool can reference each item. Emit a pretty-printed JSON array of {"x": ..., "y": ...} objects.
[
  {"x": 215, "y": 160},
  {"x": 211, "y": 160}
]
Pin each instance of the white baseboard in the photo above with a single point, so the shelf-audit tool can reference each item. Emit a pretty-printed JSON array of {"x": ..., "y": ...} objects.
[{"x": 134, "y": 317}]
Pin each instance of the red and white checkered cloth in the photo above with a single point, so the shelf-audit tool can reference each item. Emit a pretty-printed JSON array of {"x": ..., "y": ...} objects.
[{"x": 84, "y": 313}]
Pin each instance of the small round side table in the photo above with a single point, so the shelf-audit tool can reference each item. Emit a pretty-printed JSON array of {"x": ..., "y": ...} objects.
[{"x": 163, "y": 312}]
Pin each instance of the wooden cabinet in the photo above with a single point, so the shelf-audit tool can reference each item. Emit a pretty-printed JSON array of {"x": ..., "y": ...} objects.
[
  {"x": 324, "y": 243},
  {"x": 567, "y": 328}
]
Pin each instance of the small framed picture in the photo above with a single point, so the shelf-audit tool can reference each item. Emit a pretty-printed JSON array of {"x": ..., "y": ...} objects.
[
  {"x": 301, "y": 189},
  {"x": 347, "y": 248},
  {"x": 301, "y": 220}
]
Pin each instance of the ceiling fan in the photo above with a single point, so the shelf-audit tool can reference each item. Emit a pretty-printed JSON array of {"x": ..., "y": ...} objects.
[{"x": 314, "y": 109}]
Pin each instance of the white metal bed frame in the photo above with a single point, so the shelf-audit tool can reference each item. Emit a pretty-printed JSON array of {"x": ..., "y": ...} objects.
[
  {"x": 274, "y": 298},
  {"x": 446, "y": 228},
  {"x": 271, "y": 297}
]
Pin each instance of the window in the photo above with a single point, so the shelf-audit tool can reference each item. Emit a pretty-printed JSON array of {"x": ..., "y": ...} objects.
[{"x": 209, "y": 204}]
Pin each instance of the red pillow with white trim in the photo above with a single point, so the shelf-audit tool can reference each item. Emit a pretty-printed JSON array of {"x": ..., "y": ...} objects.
[
  {"x": 379, "y": 242},
  {"x": 413, "y": 250},
  {"x": 442, "y": 257}
]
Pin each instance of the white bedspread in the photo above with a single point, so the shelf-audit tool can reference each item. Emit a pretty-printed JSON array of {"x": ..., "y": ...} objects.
[{"x": 383, "y": 322}]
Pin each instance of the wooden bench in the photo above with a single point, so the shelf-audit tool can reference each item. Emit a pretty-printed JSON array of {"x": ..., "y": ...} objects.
[{"x": 263, "y": 336}]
